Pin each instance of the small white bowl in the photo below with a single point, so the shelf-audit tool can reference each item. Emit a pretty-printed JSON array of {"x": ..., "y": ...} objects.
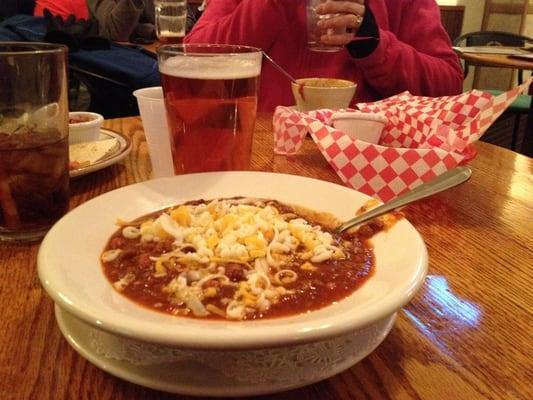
[
  {"x": 316, "y": 93},
  {"x": 367, "y": 127},
  {"x": 87, "y": 130}
]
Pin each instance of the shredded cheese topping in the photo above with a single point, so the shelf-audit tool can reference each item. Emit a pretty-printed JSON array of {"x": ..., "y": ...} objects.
[{"x": 210, "y": 239}]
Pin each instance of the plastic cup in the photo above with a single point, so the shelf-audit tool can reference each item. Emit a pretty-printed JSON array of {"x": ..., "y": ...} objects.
[{"x": 153, "y": 115}]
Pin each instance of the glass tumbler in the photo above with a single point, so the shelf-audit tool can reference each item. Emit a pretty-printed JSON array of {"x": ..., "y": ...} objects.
[
  {"x": 314, "y": 32},
  {"x": 211, "y": 103},
  {"x": 170, "y": 20},
  {"x": 34, "y": 158}
]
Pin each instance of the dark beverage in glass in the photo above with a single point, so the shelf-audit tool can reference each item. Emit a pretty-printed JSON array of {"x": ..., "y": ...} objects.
[
  {"x": 34, "y": 174},
  {"x": 211, "y": 102},
  {"x": 169, "y": 39}
]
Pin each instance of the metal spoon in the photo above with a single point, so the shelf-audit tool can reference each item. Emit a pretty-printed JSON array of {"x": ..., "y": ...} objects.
[
  {"x": 279, "y": 68},
  {"x": 442, "y": 182}
]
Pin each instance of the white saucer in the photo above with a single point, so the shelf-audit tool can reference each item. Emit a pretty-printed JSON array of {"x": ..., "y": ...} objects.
[
  {"x": 122, "y": 151},
  {"x": 186, "y": 379}
]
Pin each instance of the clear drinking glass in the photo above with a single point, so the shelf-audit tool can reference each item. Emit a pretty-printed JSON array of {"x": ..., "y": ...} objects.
[
  {"x": 211, "y": 102},
  {"x": 170, "y": 20},
  {"x": 314, "y": 32},
  {"x": 34, "y": 172}
]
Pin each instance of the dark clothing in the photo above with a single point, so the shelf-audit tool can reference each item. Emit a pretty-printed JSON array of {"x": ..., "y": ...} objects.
[
  {"x": 132, "y": 67},
  {"x": 121, "y": 20},
  {"x": 9, "y": 8},
  {"x": 193, "y": 14}
]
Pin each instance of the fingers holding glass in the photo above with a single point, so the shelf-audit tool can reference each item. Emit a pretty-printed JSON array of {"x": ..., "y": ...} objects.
[
  {"x": 339, "y": 21},
  {"x": 341, "y": 7}
]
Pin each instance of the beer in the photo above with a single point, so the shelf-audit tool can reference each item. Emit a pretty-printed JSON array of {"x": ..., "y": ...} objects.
[{"x": 211, "y": 109}]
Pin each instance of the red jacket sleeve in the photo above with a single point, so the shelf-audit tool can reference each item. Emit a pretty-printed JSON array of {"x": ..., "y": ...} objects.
[
  {"x": 255, "y": 23},
  {"x": 419, "y": 58}
]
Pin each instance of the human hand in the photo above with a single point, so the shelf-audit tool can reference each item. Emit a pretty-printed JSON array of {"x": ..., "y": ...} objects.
[{"x": 342, "y": 26}]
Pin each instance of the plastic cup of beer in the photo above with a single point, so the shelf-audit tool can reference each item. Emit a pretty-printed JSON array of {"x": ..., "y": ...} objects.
[
  {"x": 34, "y": 158},
  {"x": 211, "y": 102},
  {"x": 170, "y": 20},
  {"x": 314, "y": 32},
  {"x": 154, "y": 119}
]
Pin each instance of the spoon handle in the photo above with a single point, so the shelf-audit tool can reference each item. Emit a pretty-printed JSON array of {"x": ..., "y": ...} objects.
[
  {"x": 279, "y": 68},
  {"x": 442, "y": 182}
]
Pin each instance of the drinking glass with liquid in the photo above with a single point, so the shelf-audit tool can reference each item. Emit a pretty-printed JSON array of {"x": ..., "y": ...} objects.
[
  {"x": 34, "y": 152},
  {"x": 170, "y": 20},
  {"x": 314, "y": 32},
  {"x": 211, "y": 101}
]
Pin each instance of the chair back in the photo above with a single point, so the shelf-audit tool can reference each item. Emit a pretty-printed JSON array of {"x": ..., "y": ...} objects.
[{"x": 492, "y": 38}]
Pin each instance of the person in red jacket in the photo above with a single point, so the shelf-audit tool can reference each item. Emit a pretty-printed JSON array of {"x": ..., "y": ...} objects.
[
  {"x": 62, "y": 8},
  {"x": 390, "y": 46}
]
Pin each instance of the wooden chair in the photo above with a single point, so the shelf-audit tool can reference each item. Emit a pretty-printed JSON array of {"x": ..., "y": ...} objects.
[{"x": 494, "y": 38}]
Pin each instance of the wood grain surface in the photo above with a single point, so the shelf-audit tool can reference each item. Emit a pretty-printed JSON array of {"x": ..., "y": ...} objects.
[
  {"x": 495, "y": 60},
  {"x": 466, "y": 335}
]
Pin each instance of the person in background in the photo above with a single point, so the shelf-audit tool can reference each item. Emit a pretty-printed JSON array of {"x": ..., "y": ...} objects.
[
  {"x": 193, "y": 14},
  {"x": 62, "y": 8},
  {"x": 124, "y": 20},
  {"x": 14, "y": 7},
  {"x": 390, "y": 46}
]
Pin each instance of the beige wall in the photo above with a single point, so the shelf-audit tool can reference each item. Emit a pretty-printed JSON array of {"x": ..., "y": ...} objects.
[
  {"x": 473, "y": 12},
  {"x": 472, "y": 22},
  {"x": 528, "y": 29}
]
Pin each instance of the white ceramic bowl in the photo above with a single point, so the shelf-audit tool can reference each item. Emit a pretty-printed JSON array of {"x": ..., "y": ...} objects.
[
  {"x": 309, "y": 346},
  {"x": 318, "y": 93},
  {"x": 88, "y": 130},
  {"x": 359, "y": 125}
]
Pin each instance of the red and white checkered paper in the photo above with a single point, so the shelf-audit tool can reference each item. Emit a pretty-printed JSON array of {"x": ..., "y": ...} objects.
[{"x": 424, "y": 137}]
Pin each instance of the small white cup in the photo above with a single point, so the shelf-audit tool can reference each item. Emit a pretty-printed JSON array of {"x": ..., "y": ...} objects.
[
  {"x": 367, "y": 127},
  {"x": 154, "y": 118},
  {"x": 84, "y": 126}
]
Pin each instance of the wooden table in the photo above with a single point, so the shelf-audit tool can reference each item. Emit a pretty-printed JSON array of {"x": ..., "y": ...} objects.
[
  {"x": 503, "y": 61},
  {"x": 466, "y": 335},
  {"x": 495, "y": 60}
]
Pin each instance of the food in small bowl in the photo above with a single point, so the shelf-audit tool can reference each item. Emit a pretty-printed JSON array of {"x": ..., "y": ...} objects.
[
  {"x": 220, "y": 249},
  {"x": 367, "y": 127},
  {"x": 316, "y": 93},
  {"x": 84, "y": 126}
]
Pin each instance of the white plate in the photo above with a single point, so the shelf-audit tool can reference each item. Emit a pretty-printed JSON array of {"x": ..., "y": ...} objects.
[
  {"x": 122, "y": 151},
  {"x": 70, "y": 270},
  {"x": 188, "y": 381},
  {"x": 186, "y": 377}
]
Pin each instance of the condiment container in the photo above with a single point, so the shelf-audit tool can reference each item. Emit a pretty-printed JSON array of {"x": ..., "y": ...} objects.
[
  {"x": 359, "y": 125},
  {"x": 84, "y": 126}
]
